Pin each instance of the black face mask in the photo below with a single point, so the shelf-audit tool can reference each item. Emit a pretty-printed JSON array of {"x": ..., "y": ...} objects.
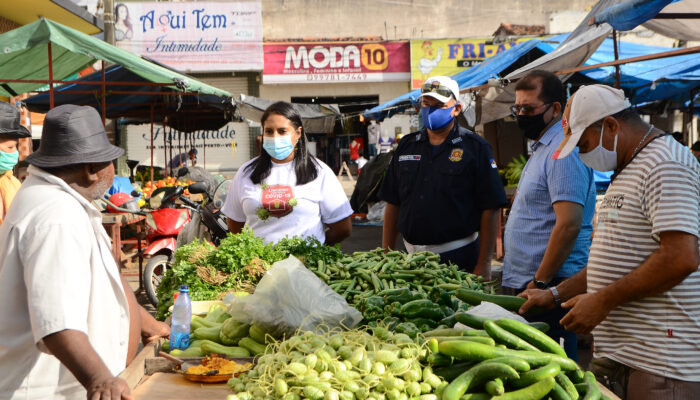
[{"x": 532, "y": 125}]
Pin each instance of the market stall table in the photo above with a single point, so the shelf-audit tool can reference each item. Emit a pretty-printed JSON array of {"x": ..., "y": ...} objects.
[{"x": 113, "y": 222}]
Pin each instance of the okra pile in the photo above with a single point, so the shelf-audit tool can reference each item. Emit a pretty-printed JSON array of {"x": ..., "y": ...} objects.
[
  {"x": 410, "y": 293},
  {"x": 340, "y": 366},
  {"x": 506, "y": 360}
]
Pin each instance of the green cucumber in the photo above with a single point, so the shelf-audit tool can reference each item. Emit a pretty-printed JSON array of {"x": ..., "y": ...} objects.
[
  {"x": 455, "y": 332},
  {"x": 209, "y": 347},
  {"x": 592, "y": 390},
  {"x": 470, "y": 320},
  {"x": 495, "y": 387},
  {"x": 576, "y": 376},
  {"x": 257, "y": 334},
  {"x": 503, "y": 336},
  {"x": 567, "y": 385},
  {"x": 252, "y": 346},
  {"x": 473, "y": 297},
  {"x": 536, "y": 391},
  {"x": 208, "y": 333},
  {"x": 452, "y": 372},
  {"x": 437, "y": 359},
  {"x": 518, "y": 364},
  {"x": 476, "y": 339},
  {"x": 558, "y": 393},
  {"x": 539, "y": 325},
  {"x": 188, "y": 352},
  {"x": 533, "y": 336},
  {"x": 476, "y": 396},
  {"x": 530, "y": 377},
  {"x": 471, "y": 351},
  {"x": 476, "y": 376}
]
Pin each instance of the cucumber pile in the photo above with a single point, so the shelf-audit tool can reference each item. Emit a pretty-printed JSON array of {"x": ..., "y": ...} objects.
[
  {"x": 507, "y": 360},
  {"x": 340, "y": 366}
]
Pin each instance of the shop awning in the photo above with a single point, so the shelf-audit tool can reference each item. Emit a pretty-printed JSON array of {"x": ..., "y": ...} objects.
[
  {"x": 184, "y": 113},
  {"x": 24, "y": 56},
  {"x": 473, "y": 76},
  {"x": 65, "y": 12},
  {"x": 317, "y": 118},
  {"x": 682, "y": 29}
]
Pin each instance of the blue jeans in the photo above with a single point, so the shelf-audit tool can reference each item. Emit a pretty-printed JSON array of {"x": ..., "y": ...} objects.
[{"x": 552, "y": 317}]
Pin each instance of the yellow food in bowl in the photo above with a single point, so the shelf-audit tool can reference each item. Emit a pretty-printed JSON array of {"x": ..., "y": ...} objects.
[{"x": 214, "y": 362}]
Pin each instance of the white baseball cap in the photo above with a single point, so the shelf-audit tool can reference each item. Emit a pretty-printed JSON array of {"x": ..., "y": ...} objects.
[
  {"x": 588, "y": 105},
  {"x": 440, "y": 88}
]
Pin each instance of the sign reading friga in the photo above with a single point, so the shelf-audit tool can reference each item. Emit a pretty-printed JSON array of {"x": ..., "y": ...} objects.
[
  {"x": 193, "y": 36},
  {"x": 319, "y": 62}
]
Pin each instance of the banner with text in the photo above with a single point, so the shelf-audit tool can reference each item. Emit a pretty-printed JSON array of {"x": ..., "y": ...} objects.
[
  {"x": 225, "y": 149},
  {"x": 323, "y": 62},
  {"x": 193, "y": 36},
  {"x": 447, "y": 57}
]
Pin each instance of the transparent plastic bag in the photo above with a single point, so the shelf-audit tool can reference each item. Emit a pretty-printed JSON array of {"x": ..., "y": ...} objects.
[
  {"x": 492, "y": 311},
  {"x": 290, "y": 297}
]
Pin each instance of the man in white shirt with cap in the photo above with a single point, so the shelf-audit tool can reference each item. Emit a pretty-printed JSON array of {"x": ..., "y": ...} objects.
[{"x": 639, "y": 292}]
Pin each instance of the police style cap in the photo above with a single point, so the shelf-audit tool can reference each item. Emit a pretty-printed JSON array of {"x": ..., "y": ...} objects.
[
  {"x": 73, "y": 135},
  {"x": 9, "y": 122},
  {"x": 441, "y": 88},
  {"x": 588, "y": 105}
]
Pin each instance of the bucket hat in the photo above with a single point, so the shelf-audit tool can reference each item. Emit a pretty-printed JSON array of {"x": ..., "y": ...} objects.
[
  {"x": 73, "y": 135},
  {"x": 9, "y": 122}
]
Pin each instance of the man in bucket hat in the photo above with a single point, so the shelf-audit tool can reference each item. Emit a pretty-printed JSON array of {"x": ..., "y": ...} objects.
[
  {"x": 69, "y": 319},
  {"x": 10, "y": 133},
  {"x": 639, "y": 291}
]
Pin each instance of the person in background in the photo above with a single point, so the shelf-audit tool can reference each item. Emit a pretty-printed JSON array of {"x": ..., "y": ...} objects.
[
  {"x": 639, "y": 290},
  {"x": 286, "y": 191},
  {"x": 373, "y": 131},
  {"x": 550, "y": 224},
  {"x": 442, "y": 188},
  {"x": 10, "y": 133},
  {"x": 180, "y": 160},
  {"x": 123, "y": 29},
  {"x": 71, "y": 323},
  {"x": 696, "y": 150}
]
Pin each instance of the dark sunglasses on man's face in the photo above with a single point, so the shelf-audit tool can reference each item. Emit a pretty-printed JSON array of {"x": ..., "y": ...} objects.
[
  {"x": 526, "y": 109},
  {"x": 436, "y": 87}
]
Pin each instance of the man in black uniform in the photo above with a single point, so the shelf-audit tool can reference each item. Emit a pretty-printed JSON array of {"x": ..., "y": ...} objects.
[{"x": 442, "y": 189}]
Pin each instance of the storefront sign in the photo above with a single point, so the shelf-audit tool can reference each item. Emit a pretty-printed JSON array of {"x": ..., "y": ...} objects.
[
  {"x": 225, "y": 149},
  {"x": 450, "y": 56},
  {"x": 193, "y": 36},
  {"x": 322, "y": 62}
]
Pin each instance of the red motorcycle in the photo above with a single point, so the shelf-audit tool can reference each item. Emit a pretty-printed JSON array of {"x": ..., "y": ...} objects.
[{"x": 163, "y": 224}]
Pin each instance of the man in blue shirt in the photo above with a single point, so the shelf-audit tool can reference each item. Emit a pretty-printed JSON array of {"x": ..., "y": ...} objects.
[{"x": 549, "y": 228}]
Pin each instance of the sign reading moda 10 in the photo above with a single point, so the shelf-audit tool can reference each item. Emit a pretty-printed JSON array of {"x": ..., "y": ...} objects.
[
  {"x": 193, "y": 36},
  {"x": 450, "y": 56},
  {"x": 323, "y": 62}
]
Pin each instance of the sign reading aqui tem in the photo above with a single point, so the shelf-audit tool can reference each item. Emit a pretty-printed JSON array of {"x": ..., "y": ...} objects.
[
  {"x": 449, "y": 56},
  {"x": 226, "y": 149},
  {"x": 193, "y": 36},
  {"x": 323, "y": 62}
]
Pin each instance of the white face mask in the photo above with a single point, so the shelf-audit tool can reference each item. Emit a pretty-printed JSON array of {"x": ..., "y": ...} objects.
[{"x": 600, "y": 158}]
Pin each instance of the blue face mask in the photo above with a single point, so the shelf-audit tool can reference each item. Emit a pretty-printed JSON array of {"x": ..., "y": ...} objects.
[
  {"x": 279, "y": 147},
  {"x": 436, "y": 118},
  {"x": 8, "y": 160}
]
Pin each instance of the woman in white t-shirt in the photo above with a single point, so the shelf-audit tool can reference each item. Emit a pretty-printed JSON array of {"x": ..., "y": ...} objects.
[{"x": 286, "y": 191}]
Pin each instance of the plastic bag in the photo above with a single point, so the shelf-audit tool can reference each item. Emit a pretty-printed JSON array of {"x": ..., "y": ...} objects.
[
  {"x": 492, "y": 311},
  {"x": 376, "y": 211},
  {"x": 290, "y": 297}
]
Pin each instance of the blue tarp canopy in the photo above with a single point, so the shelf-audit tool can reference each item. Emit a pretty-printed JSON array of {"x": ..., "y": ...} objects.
[
  {"x": 670, "y": 78},
  {"x": 186, "y": 113},
  {"x": 471, "y": 77},
  {"x": 631, "y": 13}
]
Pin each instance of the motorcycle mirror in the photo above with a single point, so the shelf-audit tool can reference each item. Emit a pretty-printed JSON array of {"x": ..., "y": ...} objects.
[
  {"x": 135, "y": 193},
  {"x": 182, "y": 172},
  {"x": 199, "y": 187}
]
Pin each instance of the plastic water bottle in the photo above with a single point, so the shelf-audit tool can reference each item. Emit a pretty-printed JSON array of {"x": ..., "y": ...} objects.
[{"x": 180, "y": 325}]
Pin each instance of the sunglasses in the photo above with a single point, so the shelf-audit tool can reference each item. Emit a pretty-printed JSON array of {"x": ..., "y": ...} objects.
[
  {"x": 527, "y": 109},
  {"x": 436, "y": 87}
]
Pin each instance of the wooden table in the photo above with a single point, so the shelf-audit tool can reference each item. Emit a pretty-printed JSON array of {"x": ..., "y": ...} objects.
[{"x": 113, "y": 223}]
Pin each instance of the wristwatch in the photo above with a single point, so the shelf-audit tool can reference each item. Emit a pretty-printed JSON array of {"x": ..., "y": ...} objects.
[
  {"x": 555, "y": 294},
  {"x": 540, "y": 284}
]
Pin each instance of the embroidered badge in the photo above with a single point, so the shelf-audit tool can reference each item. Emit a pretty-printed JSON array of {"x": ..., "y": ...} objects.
[
  {"x": 493, "y": 164},
  {"x": 456, "y": 155},
  {"x": 410, "y": 157}
]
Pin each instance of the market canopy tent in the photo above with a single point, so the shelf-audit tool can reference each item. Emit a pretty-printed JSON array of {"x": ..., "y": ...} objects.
[
  {"x": 184, "y": 113},
  {"x": 25, "y": 66},
  {"x": 678, "y": 20}
]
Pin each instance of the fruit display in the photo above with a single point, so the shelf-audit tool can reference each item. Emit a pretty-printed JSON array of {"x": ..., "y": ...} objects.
[{"x": 148, "y": 187}]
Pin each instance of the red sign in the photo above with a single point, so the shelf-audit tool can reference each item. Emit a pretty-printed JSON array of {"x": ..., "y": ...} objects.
[
  {"x": 276, "y": 199},
  {"x": 319, "y": 62}
]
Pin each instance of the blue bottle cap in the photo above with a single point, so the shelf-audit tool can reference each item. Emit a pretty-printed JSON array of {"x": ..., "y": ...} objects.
[{"x": 184, "y": 288}]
